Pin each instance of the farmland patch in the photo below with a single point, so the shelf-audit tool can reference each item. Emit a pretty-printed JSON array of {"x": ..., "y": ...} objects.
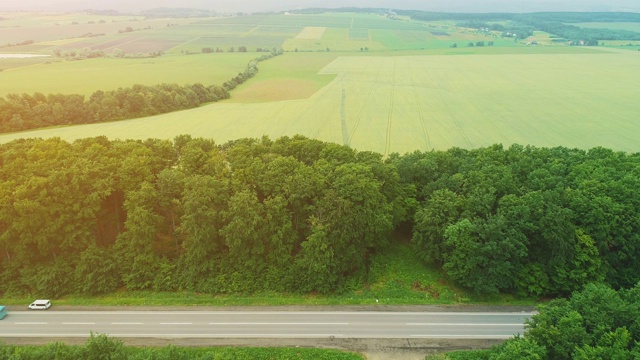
[
  {"x": 358, "y": 34},
  {"x": 274, "y": 90},
  {"x": 311, "y": 33},
  {"x": 86, "y": 76},
  {"x": 406, "y": 103}
]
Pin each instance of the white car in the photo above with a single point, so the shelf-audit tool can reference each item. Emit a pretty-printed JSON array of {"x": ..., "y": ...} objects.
[{"x": 40, "y": 305}]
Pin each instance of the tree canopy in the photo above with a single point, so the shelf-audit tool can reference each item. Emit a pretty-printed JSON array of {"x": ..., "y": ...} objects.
[{"x": 301, "y": 215}]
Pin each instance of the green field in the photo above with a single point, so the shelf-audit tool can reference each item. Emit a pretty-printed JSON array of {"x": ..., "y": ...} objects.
[
  {"x": 356, "y": 79},
  {"x": 86, "y": 76},
  {"x": 404, "y": 103}
]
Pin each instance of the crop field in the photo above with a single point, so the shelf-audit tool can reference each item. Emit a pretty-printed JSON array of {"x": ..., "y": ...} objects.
[
  {"x": 404, "y": 103},
  {"x": 64, "y": 26},
  {"x": 86, "y": 76}
]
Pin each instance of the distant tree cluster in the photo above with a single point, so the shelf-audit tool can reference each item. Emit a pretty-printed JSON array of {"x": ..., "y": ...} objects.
[
  {"x": 23, "y": 112},
  {"x": 25, "y": 42},
  {"x": 243, "y": 49},
  {"x": 84, "y": 53},
  {"x": 304, "y": 216}
]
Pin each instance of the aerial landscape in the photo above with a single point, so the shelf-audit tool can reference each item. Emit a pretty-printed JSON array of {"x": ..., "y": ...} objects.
[{"x": 320, "y": 180}]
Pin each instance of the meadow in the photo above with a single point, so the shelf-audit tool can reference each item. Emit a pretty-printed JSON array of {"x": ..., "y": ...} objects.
[{"x": 365, "y": 81}]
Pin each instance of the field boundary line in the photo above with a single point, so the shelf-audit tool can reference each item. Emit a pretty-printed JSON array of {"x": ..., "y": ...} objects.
[
  {"x": 364, "y": 105},
  {"x": 250, "y": 31},
  {"x": 387, "y": 144},
  {"x": 421, "y": 118},
  {"x": 186, "y": 42},
  {"x": 343, "y": 118},
  {"x": 452, "y": 114}
]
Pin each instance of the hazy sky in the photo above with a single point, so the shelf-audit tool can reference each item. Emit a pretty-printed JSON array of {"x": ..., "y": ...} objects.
[{"x": 273, "y": 5}]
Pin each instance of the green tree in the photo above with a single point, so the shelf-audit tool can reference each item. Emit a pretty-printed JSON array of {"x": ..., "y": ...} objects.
[
  {"x": 480, "y": 254},
  {"x": 134, "y": 248},
  {"x": 441, "y": 210},
  {"x": 520, "y": 348},
  {"x": 204, "y": 201},
  {"x": 96, "y": 272},
  {"x": 102, "y": 347}
]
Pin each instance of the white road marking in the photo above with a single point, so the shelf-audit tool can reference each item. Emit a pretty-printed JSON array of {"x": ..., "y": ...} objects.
[
  {"x": 458, "y": 324},
  {"x": 464, "y": 336},
  {"x": 182, "y": 336},
  {"x": 268, "y": 323}
]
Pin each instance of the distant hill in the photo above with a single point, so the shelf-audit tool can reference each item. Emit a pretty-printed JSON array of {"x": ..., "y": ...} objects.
[{"x": 226, "y": 6}]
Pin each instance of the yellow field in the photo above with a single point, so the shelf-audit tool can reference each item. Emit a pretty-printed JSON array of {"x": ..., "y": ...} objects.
[
  {"x": 311, "y": 32},
  {"x": 87, "y": 76},
  {"x": 404, "y": 103}
]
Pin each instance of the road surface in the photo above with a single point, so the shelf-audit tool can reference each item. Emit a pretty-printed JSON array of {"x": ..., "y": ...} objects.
[{"x": 264, "y": 324}]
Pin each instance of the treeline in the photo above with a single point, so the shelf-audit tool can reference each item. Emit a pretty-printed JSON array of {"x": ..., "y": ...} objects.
[
  {"x": 553, "y": 23},
  {"x": 595, "y": 323},
  {"x": 103, "y": 347},
  {"x": 566, "y": 17},
  {"x": 532, "y": 221},
  {"x": 24, "y": 112},
  {"x": 521, "y": 24},
  {"x": 511, "y": 29},
  {"x": 300, "y": 215}
]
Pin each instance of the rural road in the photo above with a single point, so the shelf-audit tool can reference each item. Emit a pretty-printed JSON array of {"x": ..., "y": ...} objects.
[
  {"x": 379, "y": 333},
  {"x": 264, "y": 324}
]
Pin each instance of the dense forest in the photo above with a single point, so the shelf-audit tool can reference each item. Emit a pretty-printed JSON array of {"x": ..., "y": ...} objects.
[
  {"x": 300, "y": 215},
  {"x": 24, "y": 112}
]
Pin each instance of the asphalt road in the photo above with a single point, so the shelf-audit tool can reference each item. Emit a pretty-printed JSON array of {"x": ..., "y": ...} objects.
[{"x": 264, "y": 324}]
